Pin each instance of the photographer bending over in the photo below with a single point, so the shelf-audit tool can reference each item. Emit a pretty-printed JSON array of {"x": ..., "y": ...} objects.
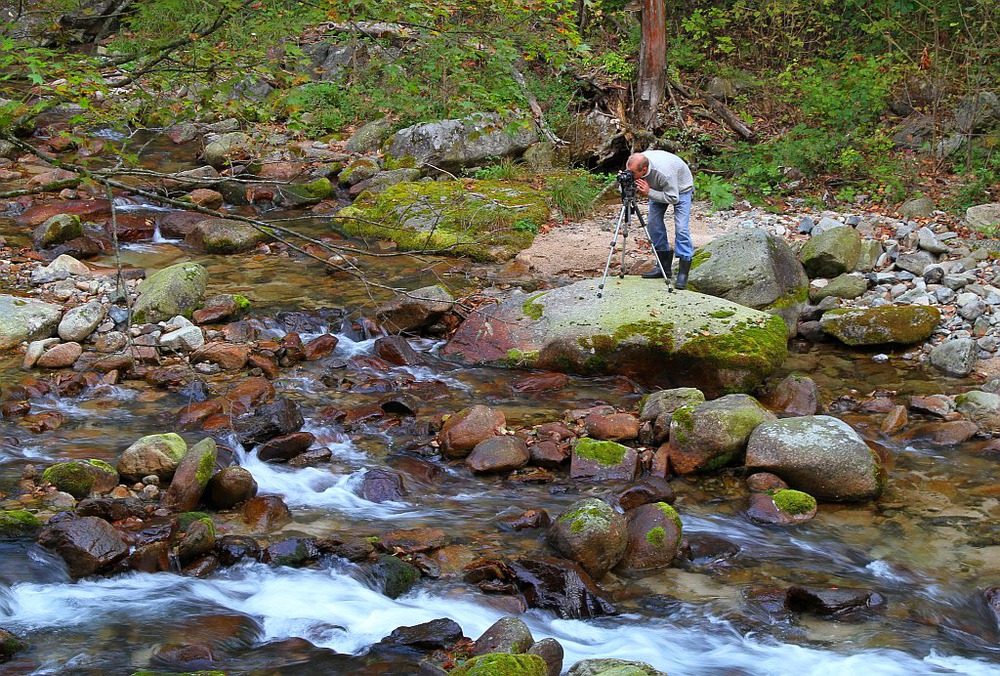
[{"x": 666, "y": 179}]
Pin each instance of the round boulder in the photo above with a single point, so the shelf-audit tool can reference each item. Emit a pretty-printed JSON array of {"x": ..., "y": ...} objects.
[
  {"x": 80, "y": 478},
  {"x": 463, "y": 430},
  {"x": 831, "y": 253},
  {"x": 498, "y": 454},
  {"x": 231, "y": 486},
  {"x": 176, "y": 290},
  {"x": 820, "y": 455},
  {"x": 591, "y": 533},
  {"x": 156, "y": 454},
  {"x": 81, "y": 321},
  {"x": 955, "y": 357},
  {"x": 654, "y": 534},
  {"x": 714, "y": 434}
]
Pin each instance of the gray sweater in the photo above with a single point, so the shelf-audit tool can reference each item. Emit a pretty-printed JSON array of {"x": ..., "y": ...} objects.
[{"x": 668, "y": 176}]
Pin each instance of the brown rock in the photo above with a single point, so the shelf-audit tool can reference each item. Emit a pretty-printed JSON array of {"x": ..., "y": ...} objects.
[
  {"x": 654, "y": 535},
  {"x": 319, "y": 347},
  {"x": 265, "y": 513},
  {"x": 548, "y": 454},
  {"x": 123, "y": 363},
  {"x": 87, "y": 544},
  {"x": 762, "y": 509},
  {"x": 249, "y": 393},
  {"x": 230, "y": 486},
  {"x": 131, "y": 228},
  {"x": 650, "y": 489},
  {"x": 265, "y": 364},
  {"x": 498, "y": 454},
  {"x": 765, "y": 482},
  {"x": 397, "y": 351},
  {"x": 614, "y": 463},
  {"x": 944, "y": 433},
  {"x": 382, "y": 485},
  {"x": 413, "y": 540},
  {"x": 463, "y": 430},
  {"x": 285, "y": 447},
  {"x": 179, "y": 224},
  {"x": 217, "y": 309},
  {"x": 87, "y": 210},
  {"x": 191, "y": 477},
  {"x": 935, "y": 404},
  {"x": 194, "y": 415},
  {"x": 228, "y": 356},
  {"x": 540, "y": 382},
  {"x": 60, "y": 356},
  {"x": 615, "y": 427},
  {"x": 210, "y": 199},
  {"x": 896, "y": 420},
  {"x": 533, "y": 518}
]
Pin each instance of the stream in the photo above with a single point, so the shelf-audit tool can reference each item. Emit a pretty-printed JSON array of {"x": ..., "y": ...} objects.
[{"x": 928, "y": 545}]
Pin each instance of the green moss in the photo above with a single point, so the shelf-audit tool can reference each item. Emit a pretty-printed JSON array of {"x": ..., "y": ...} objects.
[
  {"x": 873, "y": 326},
  {"x": 794, "y": 502},
  {"x": 672, "y": 514},
  {"x": 502, "y": 664},
  {"x": 206, "y": 467},
  {"x": 516, "y": 357},
  {"x": 533, "y": 309},
  {"x": 185, "y": 519},
  {"x": 685, "y": 422},
  {"x": 76, "y": 477},
  {"x": 793, "y": 297},
  {"x": 242, "y": 302},
  {"x": 595, "y": 363},
  {"x": 700, "y": 256},
  {"x": 722, "y": 314},
  {"x": 17, "y": 523},
  {"x": 656, "y": 536},
  {"x": 719, "y": 461},
  {"x": 760, "y": 346},
  {"x": 583, "y": 515},
  {"x": 657, "y": 334},
  {"x": 100, "y": 464},
  {"x": 606, "y": 453}
]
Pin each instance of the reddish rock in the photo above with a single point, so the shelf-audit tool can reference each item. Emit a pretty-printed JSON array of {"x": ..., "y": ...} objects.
[
  {"x": 87, "y": 210},
  {"x": 249, "y": 393},
  {"x": 795, "y": 395},
  {"x": 194, "y": 415},
  {"x": 410, "y": 541},
  {"x": 554, "y": 431},
  {"x": 43, "y": 422},
  {"x": 178, "y": 224},
  {"x": 265, "y": 513},
  {"x": 533, "y": 518},
  {"x": 319, "y": 347},
  {"x": 877, "y": 405},
  {"x": 210, "y": 199},
  {"x": 896, "y": 420},
  {"x": 227, "y": 355},
  {"x": 60, "y": 356},
  {"x": 833, "y": 601},
  {"x": 216, "y": 309},
  {"x": 561, "y": 587},
  {"x": 114, "y": 362},
  {"x": 131, "y": 228},
  {"x": 610, "y": 462},
  {"x": 654, "y": 535},
  {"x": 615, "y": 427},
  {"x": 285, "y": 447},
  {"x": 944, "y": 433},
  {"x": 463, "y": 430},
  {"x": 548, "y": 454},
  {"x": 765, "y": 482},
  {"x": 230, "y": 486},
  {"x": 935, "y": 404},
  {"x": 396, "y": 350},
  {"x": 361, "y": 414},
  {"x": 540, "y": 382},
  {"x": 184, "y": 657},
  {"x": 191, "y": 477},
  {"x": 265, "y": 364},
  {"x": 649, "y": 490},
  {"x": 764, "y": 509},
  {"x": 498, "y": 454},
  {"x": 87, "y": 544}
]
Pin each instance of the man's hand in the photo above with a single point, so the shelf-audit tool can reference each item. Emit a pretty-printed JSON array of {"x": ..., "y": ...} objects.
[{"x": 641, "y": 187}]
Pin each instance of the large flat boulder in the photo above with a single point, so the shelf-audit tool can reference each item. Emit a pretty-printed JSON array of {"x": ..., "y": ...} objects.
[
  {"x": 903, "y": 324},
  {"x": 637, "y": 329},
  {"x": 23, "y": 319},
  {"x": 453, "y": 144}
]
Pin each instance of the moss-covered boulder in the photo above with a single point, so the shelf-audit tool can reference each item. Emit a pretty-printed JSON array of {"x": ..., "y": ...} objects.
[
  {"x": 888, "y": 324},
  {"x": 15, "y": 523},
  {"x": 176, "y": 290},
  {"x": 304, "y": 194},
  {"x": 654, "y": 535},
  {"x": 228, "y": 149},
  {"x": 485, "y": 220},
  {"x": 754, "y": 268},
  {"x": 10, "y": 645},
  {"x": 80, "y": 478},
  {"x": 591, "y": 533},
  {"x": 636, "y": 329},
  {"x": 22, "y": 319},
  {"x": 658, "y": 409},
  {"x": 603, "y": 460},
  {"x": 846, "y": 286},
  {"x": 712, "y": 435},
  {"x": 502, "y": 664},
  {"x": 454, "y": 144},
  {"x": 224, "y": 236},
  {"x": 613, "y": 667},
  {"x": 191, "y": 477},
  {"x": 370, "y": 136},
  {"x": 831, "y": 253},
  {"x": 784, "y": 507},
  {"x": 154, "y": 454},
  {"x": 819, "y": 455},
  {"x": 56, "y": 230}
]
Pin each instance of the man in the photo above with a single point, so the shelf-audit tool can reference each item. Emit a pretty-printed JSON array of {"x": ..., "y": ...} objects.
[{"x": 666, "y": 179}]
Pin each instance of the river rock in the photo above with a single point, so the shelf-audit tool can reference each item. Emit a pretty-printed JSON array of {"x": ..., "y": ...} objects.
[
  {"x": 659, "y": 408},
  {"x": 413, "y": 540},
  {"x": 87, "y": 544},
  {"x": 231, "y": 486},
  {"x": 916, "y": 262},
  {"x": 649, "y": 490},
  {"x": 502, "y": 663},
  {"x": 416, "y": 310},
  {"x": 285, "y": 447},
  {"x": 819, "y": 455},
  {"x": 369, "y": 137},
  {"x": 753, "y": 268},
  {"x": 223, "y": 236},
  {"x": 176, "y": 290},
  {"x": 155, "y": 454},
  {"x": 835, "y": 602},
  {"x": 831, "y": 253},
  {"x": 394, "y": 576},
  {"x": 783, "y": 507},
  {"x": 397, "y": 351},
  {"x": 955, "y": 357},
  {"x": 453, "y": 218},
  {"x": 614, "y": 427},
  {"x": 385, "y": 179},
  {"x": 654, "y": 535},
  {"x": 928, "y": 240},
  {"x": 591, "y": 533},
  {"x": 63, "y": 267},
  {"x": 227, "y": 149},
  {"x": 714, "y": 434},
  {"x": 982, "y": 408},
  {"x": 81, "y": 321},
  {"x": 15, "y": 523},
  {"x": 265, "y": 513},
  {"x": 658, "y": 339},
  {"x": 319, "y": 347},
  {"x": 297, "y": 195},
  {"x": 221, "y": 308},
  {"x": 10, "y": 645},
  {"x": 229, "y": 356},
  {"x": 888, "y": 324},
  {"x": 613, "y": 667},
  {"x": 113, "y": 509},
  {"x": 59, "y": 356},
  {"x": 199, "y": 539},
  {"x": 552, "y": 652},
  {"x": 292, "y": 552},
  {"x": 279, "y": 417},
  {"x": 191, "y": 477},
  {"x": 498, "y": 454},
  {"x": 983, "y": 216},
  {"x": 439, "y": 634},
  {"x": 22, "y": 320},
  {"x": 603, "y": 460},
  {"x": 506, "y": 635},
  {"x": 80, "y": 478},
  {"x": 57, "y": 230},
  {"x": 796, "y": 394},
  {"x": 462, "y": 431},
  {"x": 454, "y": 144},
  {"x": 562, "y": 587},
  {"x": 382, "y": 485},
  {"x": 848, "y": 285}
]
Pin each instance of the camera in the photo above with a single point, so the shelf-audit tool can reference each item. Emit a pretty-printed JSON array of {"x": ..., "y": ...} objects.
[{"x": 626, "y": 184}]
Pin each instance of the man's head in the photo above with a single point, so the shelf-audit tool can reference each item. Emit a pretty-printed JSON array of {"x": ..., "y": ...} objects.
[{"x": 637, "y": 164}]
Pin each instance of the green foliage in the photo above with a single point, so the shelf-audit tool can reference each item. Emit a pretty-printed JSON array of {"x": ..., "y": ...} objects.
[
  {"x": 504, "y": 170},
  {"x": 717, "y": 190},
  {"x": 573, "y": 193}
]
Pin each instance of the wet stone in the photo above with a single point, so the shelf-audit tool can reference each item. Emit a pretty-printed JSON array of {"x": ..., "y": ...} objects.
[
  {"x": 184, "y": 657},
  {"x": 285, "y": 447},
  {"x": 232, "y": 549},
  {"x": 266, "y": 513},
  {"x": 834, "y": 602},
  {"x": 87, "y": 544},
  {"x": 311, "y": 458},
  {"x": 540, "y": 382},
  {"x": 293, "y": 552},
  {"x": 498, "y": 454},
  {"x": 603, "y": 460},
  {"x": 615, "y": 427},
  {"x": 436, "y": 634},
  {"x": 506, "y": 635},
  {"x": 562, "y": 587},
  {"x": 397, "y": 351},
  {"x": 463, "y": 430},
  {"x": 382, "y": 485},
  {"x": 648, "y": 490},
  {"x": 231, "y": 486},
  {"x": 517, "y": 521},
  {"x": 413, "y": 540},
  {"x": 548, "y": 454}
]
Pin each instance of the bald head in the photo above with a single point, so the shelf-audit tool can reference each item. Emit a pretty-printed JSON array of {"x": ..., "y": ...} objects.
[{"x": 637, "y": 164}]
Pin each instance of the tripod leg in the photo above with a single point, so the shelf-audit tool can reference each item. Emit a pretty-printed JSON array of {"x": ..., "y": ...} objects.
[{"x": 611, "y": 251}]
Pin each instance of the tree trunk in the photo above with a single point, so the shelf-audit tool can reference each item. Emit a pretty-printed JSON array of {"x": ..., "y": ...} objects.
[{"x": 652, "y": 63}]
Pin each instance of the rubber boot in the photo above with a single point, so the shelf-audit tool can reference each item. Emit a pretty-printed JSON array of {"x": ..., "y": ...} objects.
[
  {"x": 683, "y": 268},
  {"x": 665, "y": 259}
]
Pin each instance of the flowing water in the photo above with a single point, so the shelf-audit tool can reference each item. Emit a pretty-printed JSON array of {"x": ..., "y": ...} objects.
[{"x": 929, "y": 545}]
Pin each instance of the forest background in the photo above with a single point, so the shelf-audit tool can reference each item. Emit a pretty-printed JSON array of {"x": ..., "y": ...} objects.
[{"x": 872, "y": 101}]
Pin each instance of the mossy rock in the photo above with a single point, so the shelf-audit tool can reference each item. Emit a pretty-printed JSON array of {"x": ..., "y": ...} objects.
[
  {"x": 484, "y": 220},
  {"x": 80, "y": 478},
  {"x": 303, "y": 194},
  {"x": 16, "y": 523},
  {"x": 224, "y": 236},
  {"x": 502, "y": 664},
  {"x": 176, "y": 290},
  {"x": 831, "y": 253},
  {"x": 888, "y": 324},
  {"x": 592, "y": 533},
  {"x": 794, "y": 502}
]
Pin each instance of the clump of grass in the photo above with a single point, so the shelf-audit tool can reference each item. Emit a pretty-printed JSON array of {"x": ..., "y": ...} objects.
[{"x": 573, "y": 193}]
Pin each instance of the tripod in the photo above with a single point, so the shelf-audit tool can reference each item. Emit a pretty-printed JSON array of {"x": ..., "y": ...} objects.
[{"x": 629, "y": 207}]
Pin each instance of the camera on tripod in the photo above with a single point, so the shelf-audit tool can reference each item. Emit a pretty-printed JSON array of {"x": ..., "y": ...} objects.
[{"x": 626, "y": 184}]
